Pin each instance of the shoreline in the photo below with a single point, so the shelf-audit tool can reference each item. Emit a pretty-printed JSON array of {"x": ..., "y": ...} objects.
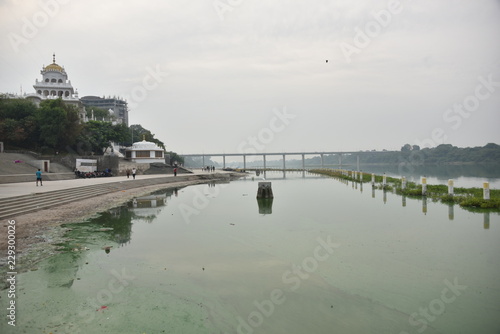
[{"x": 37, "y": 233}]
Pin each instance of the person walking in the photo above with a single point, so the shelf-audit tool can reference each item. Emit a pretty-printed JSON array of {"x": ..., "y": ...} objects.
[
  {"x": 39, "y": 177},
  {"x": 175, "y": 171},
  {"x": 133, "y": 172},
  {"x": 128, "y": 173}
]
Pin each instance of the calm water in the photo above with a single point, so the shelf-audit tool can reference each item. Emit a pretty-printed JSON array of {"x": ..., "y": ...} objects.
[{"x": 323, "y": 257}]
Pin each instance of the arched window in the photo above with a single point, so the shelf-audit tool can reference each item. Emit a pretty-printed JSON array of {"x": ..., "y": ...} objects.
[
  {"x": 60, "y": 93},
  {"x": 39, "y": 92},
  {"x": 60, "y": 80},
  {"x": 47, "y": 80},
  {"x": 66, "y": 94},
  {"x": 46, "y": 93},
  {"x": 53, "y": 93},
  {"x": 53, "y": 80}
]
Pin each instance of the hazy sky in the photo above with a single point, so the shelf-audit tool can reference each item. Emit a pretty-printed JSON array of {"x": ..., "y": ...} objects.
[{"x": 252, "y": 76}]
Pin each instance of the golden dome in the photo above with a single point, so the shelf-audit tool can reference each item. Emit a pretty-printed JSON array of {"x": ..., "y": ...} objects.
[{"x": 54, "y": 67}]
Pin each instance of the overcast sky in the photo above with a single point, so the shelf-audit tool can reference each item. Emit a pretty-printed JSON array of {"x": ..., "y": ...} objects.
[{"x": 252, "y": 75}]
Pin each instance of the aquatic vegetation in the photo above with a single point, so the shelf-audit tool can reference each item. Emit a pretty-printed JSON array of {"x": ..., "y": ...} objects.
[{"x": 465, "y": 197}]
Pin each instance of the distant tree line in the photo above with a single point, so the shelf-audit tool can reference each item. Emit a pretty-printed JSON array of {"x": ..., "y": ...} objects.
[
  {"x": 55, "y": 127},
  {"x": 442, "y": 154}
]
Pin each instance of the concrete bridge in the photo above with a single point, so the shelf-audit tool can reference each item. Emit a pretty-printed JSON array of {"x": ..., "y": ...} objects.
[{"x": 283, "y": 154}]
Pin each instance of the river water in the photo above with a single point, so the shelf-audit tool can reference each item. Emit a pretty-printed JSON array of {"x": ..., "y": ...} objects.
[{"x": 325, "y": 256}]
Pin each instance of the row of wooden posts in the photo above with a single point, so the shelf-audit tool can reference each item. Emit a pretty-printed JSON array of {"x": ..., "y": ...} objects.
[{"x": 359, "y": 176}]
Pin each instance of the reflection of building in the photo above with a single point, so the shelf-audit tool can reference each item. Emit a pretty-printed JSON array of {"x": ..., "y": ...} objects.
[
  {"x": 117, "y": 106},
  {"x": 55, "y": 84},
  {"x": 148, "y": 206},
  {"x": 265, "y": 206},
  {"x": 145, "y": 152}
]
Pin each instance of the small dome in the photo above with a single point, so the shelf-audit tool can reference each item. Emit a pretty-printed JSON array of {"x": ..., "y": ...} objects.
[
  {"x": 54, "y": 67},
  {"x": 146, "y": 145}
]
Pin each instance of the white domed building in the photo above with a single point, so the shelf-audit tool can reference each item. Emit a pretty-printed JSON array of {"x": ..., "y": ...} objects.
[
  {"x": 145, "y": 152},
  {"x": 54, "y": 85}
]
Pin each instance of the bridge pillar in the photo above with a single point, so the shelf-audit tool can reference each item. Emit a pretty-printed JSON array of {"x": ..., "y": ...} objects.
[
  {"x": 357, "y": 162},
  {"x": 244, "y": 161},
  {"x": 202, "y": 161},
  {"x": 303, "y": 162},
  {"x": 322, "y": 161},
  {"x": 264, "y": 158},
  {"x": 284, "y": 165},
  {"x": 340, "y": 160},
  {"x": 224, "y": 161}
]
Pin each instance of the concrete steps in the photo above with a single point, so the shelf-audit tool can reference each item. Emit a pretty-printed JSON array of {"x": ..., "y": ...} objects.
[
  {"x": 13, "y": 206},
  {"x": 8, "y": 166},
  {"x": 11, "y": 172}
]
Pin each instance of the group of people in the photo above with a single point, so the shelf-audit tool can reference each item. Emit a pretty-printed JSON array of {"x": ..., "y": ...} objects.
[
  {"x": 208, "y": 169},
  {"x": 88, "y": 175},
  {"x": 107, "y": 173}
]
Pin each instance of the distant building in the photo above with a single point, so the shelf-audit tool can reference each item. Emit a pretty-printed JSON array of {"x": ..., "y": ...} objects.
[
  {"x": 145, "y": 152},
  {"x": 54, "y": 85},
  {"x": 117, "y": 106}
]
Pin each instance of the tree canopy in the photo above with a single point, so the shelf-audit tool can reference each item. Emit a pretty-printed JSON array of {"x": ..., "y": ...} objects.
[{"x": 55, "y": 127}]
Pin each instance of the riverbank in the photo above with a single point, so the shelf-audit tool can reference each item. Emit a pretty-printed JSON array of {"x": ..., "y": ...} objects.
[{"x": 37, "y": 233}]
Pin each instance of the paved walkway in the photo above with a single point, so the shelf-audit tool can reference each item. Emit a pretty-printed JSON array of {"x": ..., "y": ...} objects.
[{"x": 27, "y": 188}]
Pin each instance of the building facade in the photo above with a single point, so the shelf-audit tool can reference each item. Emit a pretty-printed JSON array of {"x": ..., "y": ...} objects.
[
  {"x": 145, "y": 152},
  {"x": 54, "y": 85},
  {"x": 116, "y": 106}
]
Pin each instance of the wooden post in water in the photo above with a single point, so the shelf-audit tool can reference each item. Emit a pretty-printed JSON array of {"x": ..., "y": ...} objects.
[
  {"x": 450, "y": 187},
  {"x": 384, "y": 180},
  {"x": 424, "y": 186},
  {"x": 403, "y": 183},
  {"x": 265, "y": 190},
  {"x": 373, "y": 180},
  {"x": 486, "y": 190},
  {"x": 360, "y": 176}
]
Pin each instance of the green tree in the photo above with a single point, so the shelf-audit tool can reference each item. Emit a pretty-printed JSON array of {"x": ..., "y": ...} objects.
[
  {"x": 175, "y": 157},
  {"x": 139, "y": 133},
  {"x": 406, "y": 148},
  {"x": 59, "y": 124},
  {"x": 97, "y": 136},
  {"x": 18, "y": 126}
]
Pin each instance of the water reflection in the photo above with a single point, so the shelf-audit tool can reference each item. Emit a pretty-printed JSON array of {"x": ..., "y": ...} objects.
[
  {"x": 465, "y": 175},
  {"x": 265, "y": 206},
  {"x": 114, "y": 225},
  {"x": 390, "y": 265},
  {"x": 451, "y": 210}
]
